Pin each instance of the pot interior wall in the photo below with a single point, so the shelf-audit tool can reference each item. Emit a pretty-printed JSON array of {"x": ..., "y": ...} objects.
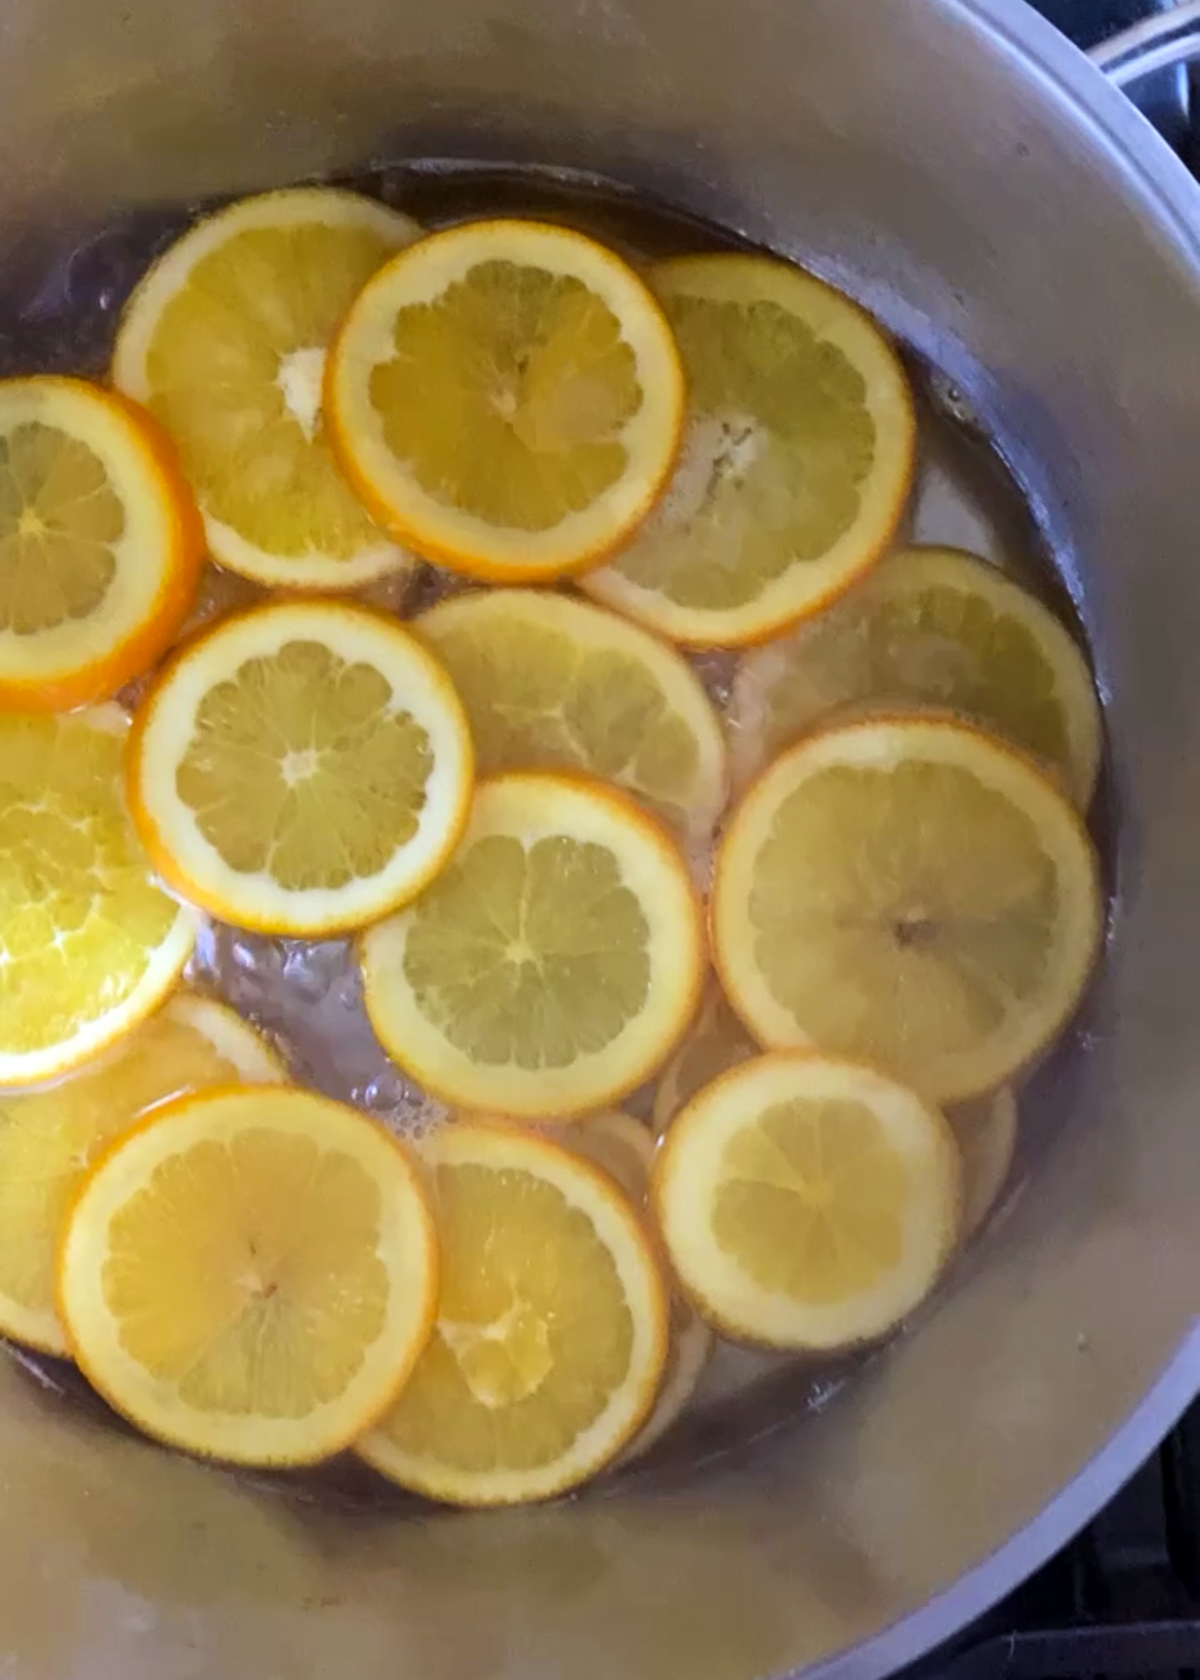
[{"x": 915, "y": 155}]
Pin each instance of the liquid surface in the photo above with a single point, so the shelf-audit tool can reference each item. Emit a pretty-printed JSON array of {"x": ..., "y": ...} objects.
[{"x": 306, "y": 995}]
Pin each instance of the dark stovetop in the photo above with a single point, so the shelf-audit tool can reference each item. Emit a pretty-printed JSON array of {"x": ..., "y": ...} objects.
[
  {"x": 1124, "y": 1597},
  {"x": 1089, "y": 21}
]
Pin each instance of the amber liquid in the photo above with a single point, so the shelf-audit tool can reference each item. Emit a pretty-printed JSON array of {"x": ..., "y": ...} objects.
[{"x": 306, "y": 995}]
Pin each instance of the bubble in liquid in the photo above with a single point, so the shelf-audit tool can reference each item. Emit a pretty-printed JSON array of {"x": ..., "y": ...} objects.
[
  {"x": 823, "y": 1391},
  {"x": 951, "y": 401},
  {"x": 401, "y": 1105},
  {"x": 385, "y": 1093}
]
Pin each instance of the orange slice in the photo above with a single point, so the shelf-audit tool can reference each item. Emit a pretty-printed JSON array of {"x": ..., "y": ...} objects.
[
  {"x": 250, "y": 1274},
  {"x": 100, "y": 544},
  {"x": 48, "y": 1139},
  {"x": 552, "y": 683},
  {"x": 807, "y": 1203},
  {"x": 89, "y": 942},
  {"x": 225, "y": 341},
  {"x": 624, "y": 1148},
  {"x": 929, "y": 627},
  {"x": 796, "y": 463},
  {"x": 985, "y": 1127},
  {"x": 555, "y": 962},
  {"x": 551, "y": 1331},
  {"x": 301, "y": 768},
  {"x": 911, "y": 891},
  {"x": 506, "y": 397}
]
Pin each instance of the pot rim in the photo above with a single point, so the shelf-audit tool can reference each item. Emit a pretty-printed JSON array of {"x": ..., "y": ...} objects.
[{"x": 1157, "y": 178}]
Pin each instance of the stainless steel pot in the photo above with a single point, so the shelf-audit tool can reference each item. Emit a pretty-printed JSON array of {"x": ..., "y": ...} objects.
[{"x": 1001, "y": 205}]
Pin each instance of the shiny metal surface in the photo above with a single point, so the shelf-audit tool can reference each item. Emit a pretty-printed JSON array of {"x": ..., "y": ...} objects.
[{"x": 972, "y": 178}]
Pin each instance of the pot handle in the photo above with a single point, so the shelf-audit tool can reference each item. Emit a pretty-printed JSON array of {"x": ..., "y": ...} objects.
[{"x": 1168, "y": 38}]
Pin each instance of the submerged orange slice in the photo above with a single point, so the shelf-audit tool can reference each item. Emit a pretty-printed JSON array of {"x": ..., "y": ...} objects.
[
  {"x": 929, "y": 627},
  {"x": 717, "y": 1041},
  {"x": 624, "y": 1148},
  {"x": 986, "y": 1130},
  {"x": 551, "y": 683}
]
